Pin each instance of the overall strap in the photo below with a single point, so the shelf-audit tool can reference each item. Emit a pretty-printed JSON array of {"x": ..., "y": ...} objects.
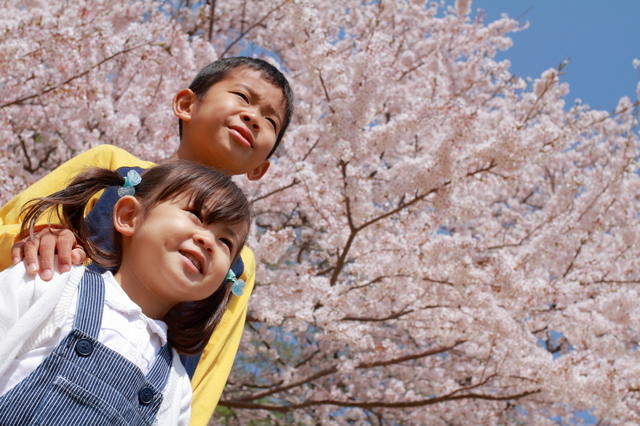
[
  {"x": 90, "y": 304},
  {"x": 159, "y": 372}
]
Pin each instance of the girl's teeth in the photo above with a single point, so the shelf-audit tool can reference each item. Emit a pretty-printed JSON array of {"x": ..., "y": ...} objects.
[{"x": 193, "y": 260}]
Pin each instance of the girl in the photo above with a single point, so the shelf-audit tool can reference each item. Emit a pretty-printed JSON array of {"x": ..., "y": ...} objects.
[{"x": 90, "y": 348}]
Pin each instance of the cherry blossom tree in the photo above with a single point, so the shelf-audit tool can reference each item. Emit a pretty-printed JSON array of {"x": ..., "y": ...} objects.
[
  {"x": 80, "y": 73},
  {"x": 439, "y": 242}
]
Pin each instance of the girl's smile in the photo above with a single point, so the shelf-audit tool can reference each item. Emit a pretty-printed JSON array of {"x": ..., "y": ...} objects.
[
  {"x": 175, "y": 257},
  {"x": 193, "y": 261}
]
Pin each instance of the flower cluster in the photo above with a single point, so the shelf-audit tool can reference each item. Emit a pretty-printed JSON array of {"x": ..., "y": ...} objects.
[{"x": 438, "y": 241}]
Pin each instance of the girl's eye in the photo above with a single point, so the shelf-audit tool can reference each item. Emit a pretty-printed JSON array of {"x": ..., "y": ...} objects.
[
  {"x": 273, "y": 122},
  {"x": 227, "y": 243}
]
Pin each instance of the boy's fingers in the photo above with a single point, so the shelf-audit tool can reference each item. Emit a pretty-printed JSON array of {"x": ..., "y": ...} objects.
[
  {"x": 78, "y": 255},
  {"x": 65, "y": 244},
  {"x": 30, "y": 253},
  {"x": 17, "y": 252},
  {"x": 39, "y": 252},
  {"x": 47, "y": 249}
]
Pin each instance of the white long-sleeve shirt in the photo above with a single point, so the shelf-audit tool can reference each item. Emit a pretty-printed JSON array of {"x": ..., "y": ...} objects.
[{"x": 36, "y": 315}]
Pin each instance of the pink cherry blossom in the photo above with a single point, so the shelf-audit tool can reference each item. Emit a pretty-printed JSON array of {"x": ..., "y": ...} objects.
[{"x": 438, "y": 241}]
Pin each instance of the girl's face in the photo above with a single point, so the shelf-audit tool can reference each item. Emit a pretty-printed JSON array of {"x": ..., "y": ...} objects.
[{"x": 171, "y": 256}]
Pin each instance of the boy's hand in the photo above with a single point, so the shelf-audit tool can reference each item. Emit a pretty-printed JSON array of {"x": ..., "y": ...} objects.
[{"x": 46, "y": 243}]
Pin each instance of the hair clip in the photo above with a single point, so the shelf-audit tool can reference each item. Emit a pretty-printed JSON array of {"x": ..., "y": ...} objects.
[
  {"x": 237, "y": 287},
  {"x": 131, "y": 180}
]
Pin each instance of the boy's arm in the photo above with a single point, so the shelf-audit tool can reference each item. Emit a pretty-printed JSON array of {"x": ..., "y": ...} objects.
[
  {"x": 9, "y": 214},
  {"x": 106, "y": 156},
  {"x": 217, "y": 358}
]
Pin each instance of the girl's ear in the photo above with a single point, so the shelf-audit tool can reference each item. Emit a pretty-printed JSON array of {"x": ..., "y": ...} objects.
[{"x": 125, "y": 213}]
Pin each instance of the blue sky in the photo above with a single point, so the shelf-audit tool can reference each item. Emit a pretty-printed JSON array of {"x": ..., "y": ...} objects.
[{"x": 600, "y": 38}]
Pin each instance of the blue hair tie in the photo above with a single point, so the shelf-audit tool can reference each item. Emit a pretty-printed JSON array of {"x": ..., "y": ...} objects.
[
  {"x": 237, "y": 288},
  {"x": 131, "y": 180}
]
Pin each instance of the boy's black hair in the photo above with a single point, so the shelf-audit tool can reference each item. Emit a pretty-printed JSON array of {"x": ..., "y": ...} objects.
[{"x": 220, "y": 69}]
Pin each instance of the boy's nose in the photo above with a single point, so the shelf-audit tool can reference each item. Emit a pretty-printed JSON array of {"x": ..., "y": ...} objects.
[{"x": 251, "y": 119}]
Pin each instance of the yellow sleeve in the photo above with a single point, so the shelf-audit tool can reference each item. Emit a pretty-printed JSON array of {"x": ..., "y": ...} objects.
[
  {"x": 106, "y": 156},
  {"x": 217, "y": 358}
]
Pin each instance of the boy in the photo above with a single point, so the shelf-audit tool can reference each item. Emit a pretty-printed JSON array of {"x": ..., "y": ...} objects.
[{"x": 232, "y": 118}]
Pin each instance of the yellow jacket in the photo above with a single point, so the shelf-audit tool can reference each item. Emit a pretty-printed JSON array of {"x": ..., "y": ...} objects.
[{"x": 215, "y": 363}]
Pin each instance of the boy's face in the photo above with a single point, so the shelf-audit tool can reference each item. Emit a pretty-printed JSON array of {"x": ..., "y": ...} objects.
[{"x": 235, "y": 125}]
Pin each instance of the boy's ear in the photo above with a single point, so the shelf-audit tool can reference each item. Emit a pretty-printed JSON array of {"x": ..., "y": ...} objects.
[
  {"x": 124, "y": 215},
  {"x": 259, "y": 171},
  {"x": 183, "y": 103}
]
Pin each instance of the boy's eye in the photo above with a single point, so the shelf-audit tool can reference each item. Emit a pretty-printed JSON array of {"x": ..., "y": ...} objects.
[
  {"x": 243, "y": 96},
  {"x": 273, "y": 122},
  {"x": 196, "y": 214}
]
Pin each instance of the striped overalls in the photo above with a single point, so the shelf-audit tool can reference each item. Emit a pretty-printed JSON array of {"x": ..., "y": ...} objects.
[{"x": 82, "y": 382}]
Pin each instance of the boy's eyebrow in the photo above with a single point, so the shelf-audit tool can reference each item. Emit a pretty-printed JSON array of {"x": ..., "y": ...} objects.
[{"x": 254, "y": 94}]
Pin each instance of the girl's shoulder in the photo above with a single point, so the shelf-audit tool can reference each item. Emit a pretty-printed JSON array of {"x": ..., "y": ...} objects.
[
  {"x": 20, "y": 290},
  {"x": 31, "y": 310}
]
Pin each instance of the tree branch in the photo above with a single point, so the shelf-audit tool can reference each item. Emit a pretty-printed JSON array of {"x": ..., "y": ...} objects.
[
  {"x": 275, "y": 191},
  {"x": 410, "y": 357},
  {"x": 212, "y": 14},
  {"x": 334, "y": 369},
  {"x": 373, "y": 404},
  {"x": 75, "y": 77},
  {"x": 373, "y": 319},
  {"x": 245, "y": 32}
]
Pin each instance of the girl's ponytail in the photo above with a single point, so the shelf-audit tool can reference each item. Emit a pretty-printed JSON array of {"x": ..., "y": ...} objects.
[{"x": 69, "y": 205}]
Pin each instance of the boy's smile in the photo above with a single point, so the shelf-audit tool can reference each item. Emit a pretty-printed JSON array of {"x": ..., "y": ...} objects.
[{"x": 234, "y": 127}]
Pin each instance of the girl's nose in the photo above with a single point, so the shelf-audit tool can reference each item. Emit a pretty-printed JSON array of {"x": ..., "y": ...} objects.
[{"x": 205, "y": 242}]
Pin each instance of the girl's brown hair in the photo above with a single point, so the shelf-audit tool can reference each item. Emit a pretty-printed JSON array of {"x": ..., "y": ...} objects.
[{"x": 213, "y": 194}]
